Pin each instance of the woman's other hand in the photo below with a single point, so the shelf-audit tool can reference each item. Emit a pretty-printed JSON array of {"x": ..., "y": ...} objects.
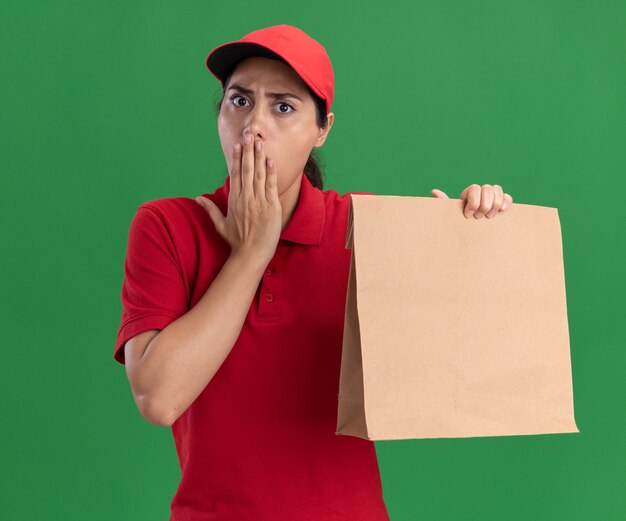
[
  {"x": 485, "y": 200},
  {"x": 254, "y": 221}
]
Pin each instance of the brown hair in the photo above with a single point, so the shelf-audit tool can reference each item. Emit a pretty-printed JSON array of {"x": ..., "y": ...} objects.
[{"x": 312, "y": 169}]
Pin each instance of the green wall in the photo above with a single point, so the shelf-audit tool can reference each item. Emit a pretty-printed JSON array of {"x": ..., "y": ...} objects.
[{"x": 108, "y": 104}]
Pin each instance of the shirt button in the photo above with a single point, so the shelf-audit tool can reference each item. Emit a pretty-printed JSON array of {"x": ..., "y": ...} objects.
[
  {"x": 268, "y": 271},
  {"x": 269, "y": 297}
]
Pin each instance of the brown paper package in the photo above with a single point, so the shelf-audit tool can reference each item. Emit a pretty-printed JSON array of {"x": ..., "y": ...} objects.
[{"x": 454, "y": 327}]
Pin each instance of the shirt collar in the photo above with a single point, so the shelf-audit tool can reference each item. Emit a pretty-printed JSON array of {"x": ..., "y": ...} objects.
[{"x": 306, "y": 225}]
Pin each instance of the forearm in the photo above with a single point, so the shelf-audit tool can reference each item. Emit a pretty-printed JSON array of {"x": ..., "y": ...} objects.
[{"x": 181, "y": 360}]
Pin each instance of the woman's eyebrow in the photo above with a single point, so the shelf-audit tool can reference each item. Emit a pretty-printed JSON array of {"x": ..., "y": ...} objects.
[{"x": 271, "y": 94}]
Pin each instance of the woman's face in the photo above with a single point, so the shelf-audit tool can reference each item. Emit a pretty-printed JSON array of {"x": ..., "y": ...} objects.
[{"x": 286, "y": 123}]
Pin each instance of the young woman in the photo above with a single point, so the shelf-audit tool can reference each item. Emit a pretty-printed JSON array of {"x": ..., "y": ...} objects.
[{"x": 234, "y": 303}]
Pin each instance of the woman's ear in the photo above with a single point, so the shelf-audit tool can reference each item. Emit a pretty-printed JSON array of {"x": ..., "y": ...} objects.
[{"x": 324, "y": 131}]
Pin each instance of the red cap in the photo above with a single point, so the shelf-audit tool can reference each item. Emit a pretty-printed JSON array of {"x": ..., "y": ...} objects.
[{"x": 304, "y": 54}]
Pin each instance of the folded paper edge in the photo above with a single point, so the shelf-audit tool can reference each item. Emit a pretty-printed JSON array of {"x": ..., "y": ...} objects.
[
  {"x": 350, "y": 220},
  {"x": 351, "y": 417}
]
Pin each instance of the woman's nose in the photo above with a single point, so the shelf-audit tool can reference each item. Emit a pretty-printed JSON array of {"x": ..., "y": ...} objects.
[{"x": 256, "y": 123}]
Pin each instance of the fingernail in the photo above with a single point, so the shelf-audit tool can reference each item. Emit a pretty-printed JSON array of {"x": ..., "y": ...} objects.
[
  {"x": 258, "y": 144},
  {"x": 469, "y": 213},
  {"x": 248, "y": 138},
  {"x": 478, "y": 215}
]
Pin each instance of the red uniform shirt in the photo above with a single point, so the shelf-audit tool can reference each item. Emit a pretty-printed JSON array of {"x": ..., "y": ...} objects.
[{"x": 259, "y": 442}]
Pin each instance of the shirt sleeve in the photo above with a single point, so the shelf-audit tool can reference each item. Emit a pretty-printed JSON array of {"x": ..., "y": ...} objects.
[{"x": 153, "y": 292}]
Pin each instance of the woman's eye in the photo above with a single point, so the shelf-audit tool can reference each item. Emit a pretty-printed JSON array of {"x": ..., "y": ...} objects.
[
  {"x": 283, "y": 105},
  {"x": 236, "y": 99}
]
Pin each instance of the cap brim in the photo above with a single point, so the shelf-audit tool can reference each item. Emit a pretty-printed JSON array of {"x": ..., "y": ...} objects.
[{"x": 222, "y": 60}]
